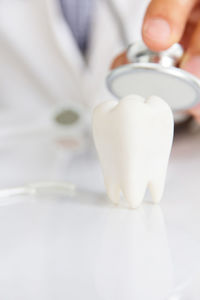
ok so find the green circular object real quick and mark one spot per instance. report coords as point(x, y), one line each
point(67, 117)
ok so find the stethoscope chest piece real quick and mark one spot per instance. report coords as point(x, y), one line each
point(156, 73)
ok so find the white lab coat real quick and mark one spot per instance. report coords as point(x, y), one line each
point(41, 65)
point(42, 69)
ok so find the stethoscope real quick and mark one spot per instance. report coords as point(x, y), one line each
point(153, 73)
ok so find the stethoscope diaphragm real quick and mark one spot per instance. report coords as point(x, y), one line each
point(155, 73)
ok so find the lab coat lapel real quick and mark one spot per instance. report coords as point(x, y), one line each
point(63, 36)
point(105, 43)
point(90, 74)
point(67, 46)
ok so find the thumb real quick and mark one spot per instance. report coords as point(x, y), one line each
point(164, 22)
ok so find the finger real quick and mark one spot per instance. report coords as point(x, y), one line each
point(190, 26)
point(164, 22)
point(191, 63)
point(185, 40)
point(195, 112)
point(119, 60)
point(191, 59)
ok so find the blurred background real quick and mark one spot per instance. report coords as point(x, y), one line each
point(54, 57)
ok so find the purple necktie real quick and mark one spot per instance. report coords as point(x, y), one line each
point(78, 14)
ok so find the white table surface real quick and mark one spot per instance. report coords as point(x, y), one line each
point(81, 247)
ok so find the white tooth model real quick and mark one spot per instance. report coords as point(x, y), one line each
point(133, 140)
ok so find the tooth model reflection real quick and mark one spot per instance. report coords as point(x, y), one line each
point(133, 140)
point(133, 260)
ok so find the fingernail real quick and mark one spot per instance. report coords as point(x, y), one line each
point(157, 29)
point(192, 65)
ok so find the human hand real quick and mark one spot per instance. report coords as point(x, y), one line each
point(170, 21)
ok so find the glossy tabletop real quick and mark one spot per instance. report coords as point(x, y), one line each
point(79, 246)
